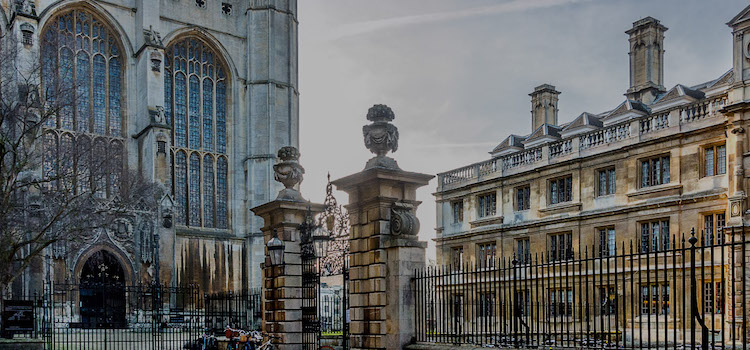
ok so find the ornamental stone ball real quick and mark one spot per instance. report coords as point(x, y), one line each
point(381, 137)
point(289, 172)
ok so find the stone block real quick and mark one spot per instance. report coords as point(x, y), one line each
point(376, 270)
point(376, 299)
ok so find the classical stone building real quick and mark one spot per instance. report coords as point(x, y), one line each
point(662, 162)
point(197, 95)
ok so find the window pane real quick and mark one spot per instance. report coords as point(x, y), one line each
point(708, 229)
point(100, 122)
point(82, 92)
point(180, 109)
point(208, 115)
point(180, 189)
point(209, 199)
point(194, 199)
point(665, 170)
point(194, 138)
point(645, 238)
point(222, 212)
point(115, 98)
point(602, 183)
point(721, 159)
point(709, 161)
point(611, 241)
point(221, 133)
point(645, 173)
point(611, 181)
point(553, 192)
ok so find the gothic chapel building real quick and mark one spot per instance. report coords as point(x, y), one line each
point(197, 95)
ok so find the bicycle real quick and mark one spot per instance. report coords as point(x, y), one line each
point(248, 340)
point(205, 342)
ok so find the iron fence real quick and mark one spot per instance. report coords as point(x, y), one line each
point(652, 293)
point(331, 314)
point(241, 309)
point(113, 316)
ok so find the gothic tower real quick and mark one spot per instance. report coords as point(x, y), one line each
point(200, 95)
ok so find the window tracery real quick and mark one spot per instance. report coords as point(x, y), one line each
point(81, 82)
point(195, 87)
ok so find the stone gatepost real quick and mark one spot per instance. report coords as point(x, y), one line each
point(282, 283)
point(384, 249)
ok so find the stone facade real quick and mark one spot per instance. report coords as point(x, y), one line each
point(596, 173)
point(249, 52)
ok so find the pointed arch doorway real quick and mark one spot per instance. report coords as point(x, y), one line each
point(102, 292)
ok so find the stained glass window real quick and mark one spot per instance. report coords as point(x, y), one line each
point(82, 75)
point(196, 108)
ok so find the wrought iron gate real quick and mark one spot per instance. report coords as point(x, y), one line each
point(310, 294)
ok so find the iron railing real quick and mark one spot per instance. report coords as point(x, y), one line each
point(332, 314)
point(113, 316)
point(659, 293)
point(242, 309)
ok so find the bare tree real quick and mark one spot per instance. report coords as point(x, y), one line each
point(53, 188)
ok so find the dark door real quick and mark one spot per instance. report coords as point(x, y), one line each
point(102, 292)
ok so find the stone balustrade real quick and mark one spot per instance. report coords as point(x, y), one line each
point(602, 140)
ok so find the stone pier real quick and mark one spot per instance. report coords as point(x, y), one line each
point(384, 249)
point(282, 283)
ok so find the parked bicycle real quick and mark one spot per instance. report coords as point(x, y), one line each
point(207, 341)
point(247, 340)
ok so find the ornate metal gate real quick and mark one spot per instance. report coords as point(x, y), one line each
point(334, 271)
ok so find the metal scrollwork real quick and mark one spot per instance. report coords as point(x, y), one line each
point(403, 221)
point(336, 220)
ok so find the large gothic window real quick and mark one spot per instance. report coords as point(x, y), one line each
point(195, 94)
point(82, 85)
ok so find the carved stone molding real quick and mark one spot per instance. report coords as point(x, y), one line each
point(403, 221)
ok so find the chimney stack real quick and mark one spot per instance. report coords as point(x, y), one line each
point(543, 106)
point(646, 60)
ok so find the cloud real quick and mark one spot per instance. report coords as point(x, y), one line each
point(366, 27)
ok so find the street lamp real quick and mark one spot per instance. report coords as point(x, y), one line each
point(275, 250)
point(320, 238)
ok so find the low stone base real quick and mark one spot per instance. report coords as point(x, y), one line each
point(431, 346)
point(21, 344)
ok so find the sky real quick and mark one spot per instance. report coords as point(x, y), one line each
point(457, 73)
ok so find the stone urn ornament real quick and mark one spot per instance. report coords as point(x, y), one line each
point(381, 137)
point(289, 172)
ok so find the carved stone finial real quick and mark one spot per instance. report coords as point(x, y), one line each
point(289, 172)
point(381, 137)
point(152, 37)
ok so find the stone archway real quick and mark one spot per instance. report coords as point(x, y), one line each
point(102, 291)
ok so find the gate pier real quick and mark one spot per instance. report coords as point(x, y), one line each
point(283, 293)
point(384, 248)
